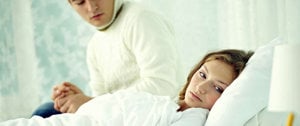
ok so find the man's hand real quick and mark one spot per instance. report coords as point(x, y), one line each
point(68, 98)
point(70, 103)
point(64, 89)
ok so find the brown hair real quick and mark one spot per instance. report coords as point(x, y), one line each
point(236, 58)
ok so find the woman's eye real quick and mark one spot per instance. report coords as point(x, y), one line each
point(219, 90)
point(202, 75)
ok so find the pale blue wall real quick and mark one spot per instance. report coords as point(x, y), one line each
point(60, 39)
point(8, 78)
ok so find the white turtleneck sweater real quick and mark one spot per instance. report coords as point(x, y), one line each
point(137, 52)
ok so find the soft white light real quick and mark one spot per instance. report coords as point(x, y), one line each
point(285, 81)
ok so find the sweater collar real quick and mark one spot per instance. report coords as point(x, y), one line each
point(117, 8)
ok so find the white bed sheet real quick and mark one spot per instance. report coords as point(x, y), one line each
point(122, 109)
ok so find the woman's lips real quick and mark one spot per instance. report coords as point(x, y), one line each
point(195, 96)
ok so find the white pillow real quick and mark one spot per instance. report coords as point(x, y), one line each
point(248, 94)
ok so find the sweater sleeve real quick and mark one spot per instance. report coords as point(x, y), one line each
point(95, 75)
point(152, 41)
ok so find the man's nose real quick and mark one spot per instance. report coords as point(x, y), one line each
point(91, 5)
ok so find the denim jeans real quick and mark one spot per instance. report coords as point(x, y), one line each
point(45, 110)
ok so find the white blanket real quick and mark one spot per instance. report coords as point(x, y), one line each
point(122, 108)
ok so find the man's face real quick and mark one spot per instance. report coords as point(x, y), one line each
point(97, 12)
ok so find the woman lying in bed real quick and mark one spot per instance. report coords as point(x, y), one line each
point(205, 83)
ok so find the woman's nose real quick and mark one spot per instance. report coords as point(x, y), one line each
point(203, 87)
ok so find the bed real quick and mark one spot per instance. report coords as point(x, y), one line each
point(243, 103)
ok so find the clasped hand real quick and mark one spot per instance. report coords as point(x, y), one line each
point(68, 98)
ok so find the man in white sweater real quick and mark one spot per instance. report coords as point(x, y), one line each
point(135, 49)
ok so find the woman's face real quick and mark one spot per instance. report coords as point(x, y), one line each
point(96, 12)
point(208, 83)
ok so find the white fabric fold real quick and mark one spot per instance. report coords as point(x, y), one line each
point(123, 108)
